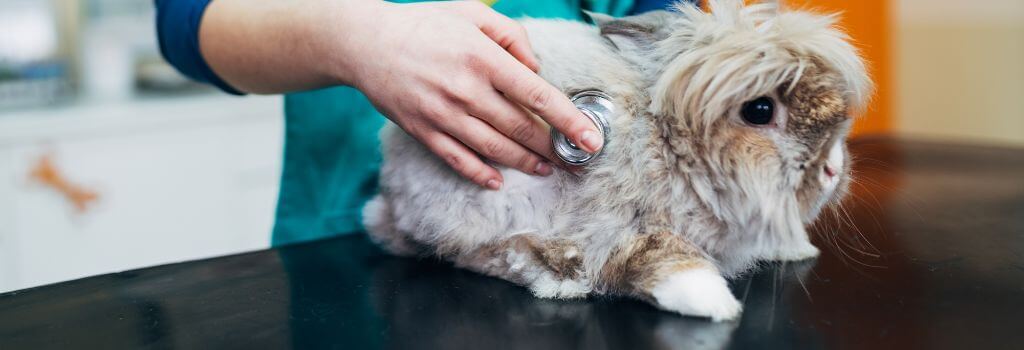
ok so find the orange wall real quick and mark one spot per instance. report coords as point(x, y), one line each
point(869, 22)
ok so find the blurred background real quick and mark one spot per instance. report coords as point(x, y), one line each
point(110, 160)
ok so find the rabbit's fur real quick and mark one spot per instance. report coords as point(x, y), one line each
point(684, 193)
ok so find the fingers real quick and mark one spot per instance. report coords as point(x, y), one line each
point(525, 87)
point(492, 145)
point(514, 122)
point(463, 160)
point(531, 91)
point(504, 31)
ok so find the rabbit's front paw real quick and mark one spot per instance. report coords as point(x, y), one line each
point(546, 286)
point(799, 252)
point(697, 292)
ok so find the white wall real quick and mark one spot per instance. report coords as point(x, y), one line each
point(959, 69)
point(177, 179)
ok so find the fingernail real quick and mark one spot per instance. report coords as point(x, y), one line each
point(590, 140)
point(494, 184)
point(542, 169)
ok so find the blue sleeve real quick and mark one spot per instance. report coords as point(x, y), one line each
point(641, 6)
point(177, 28)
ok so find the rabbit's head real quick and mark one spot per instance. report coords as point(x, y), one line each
point(753, 104)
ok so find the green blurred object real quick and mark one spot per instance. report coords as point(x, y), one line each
point(332, 155)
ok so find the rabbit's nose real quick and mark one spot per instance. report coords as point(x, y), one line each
point(829, 171)
point(834, 161)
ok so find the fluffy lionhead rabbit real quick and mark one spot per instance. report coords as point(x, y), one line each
point(727, 140)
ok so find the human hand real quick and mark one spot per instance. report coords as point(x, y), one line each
point(457, 76)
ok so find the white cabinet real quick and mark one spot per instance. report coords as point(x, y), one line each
point(176, 180)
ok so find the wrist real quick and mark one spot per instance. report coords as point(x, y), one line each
point(346, 35)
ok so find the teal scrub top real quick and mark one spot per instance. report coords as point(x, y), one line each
point(332, 151)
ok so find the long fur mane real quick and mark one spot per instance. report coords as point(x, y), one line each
point(734, 53)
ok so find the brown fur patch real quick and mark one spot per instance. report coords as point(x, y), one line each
point(635, 268)
point(492, 259)
point(817, 110)
point(561, 256)
point(816, 105)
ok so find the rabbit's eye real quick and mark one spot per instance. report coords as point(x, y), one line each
point(759, 111)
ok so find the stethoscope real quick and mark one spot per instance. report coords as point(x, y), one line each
point(597, 106)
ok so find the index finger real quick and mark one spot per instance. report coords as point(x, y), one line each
point(504, 31)
point(531, 91)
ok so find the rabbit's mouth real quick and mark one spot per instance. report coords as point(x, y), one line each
point(829, 176)
point(834, 164)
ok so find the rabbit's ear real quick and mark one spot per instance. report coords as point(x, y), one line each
point(634, 33)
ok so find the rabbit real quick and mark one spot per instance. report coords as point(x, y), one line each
point(727, 140)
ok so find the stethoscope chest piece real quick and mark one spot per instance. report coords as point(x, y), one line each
point(597, 106)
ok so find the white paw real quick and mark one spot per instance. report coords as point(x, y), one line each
point(802, 251)
point(697, 292)
point(546, 286)
point(573, 289)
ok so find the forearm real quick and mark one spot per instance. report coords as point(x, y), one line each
point(273, 46)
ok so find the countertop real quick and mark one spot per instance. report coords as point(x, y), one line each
point(99, 118)
point(927, 253)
